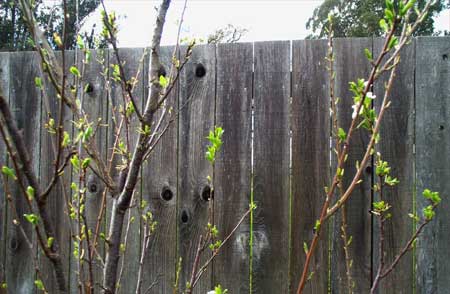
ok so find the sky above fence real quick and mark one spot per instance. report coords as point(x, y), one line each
point(264, 19)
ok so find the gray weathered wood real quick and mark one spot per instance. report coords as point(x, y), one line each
point(132, 64)
point(57, 208)
point(271, 167)
point(310, 159)
point(4, 86)
point(350, 65)
point(159, 186)
point(232, 174)
point(396, 147)
point(197, 103)
point(25, 105)
point(433, 159)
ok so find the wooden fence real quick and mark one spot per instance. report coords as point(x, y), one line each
point(272, 99)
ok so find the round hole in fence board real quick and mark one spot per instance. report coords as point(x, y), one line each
point(184, 216)
point(441, 127)
point(92, 187)
point(14, 244)
point(162, 71)
point(369, 169)
point(200, 70)
point(445, 57)
point(206, 193)
point(166, 194)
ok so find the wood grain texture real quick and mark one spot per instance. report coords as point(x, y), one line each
point(396, 147)
point(271, 167)
point(350, 65)
point(432, 160)
point(4, 86)
point(232, 174)
point(57, 206)
point(132, 63)
point(310, 159)
point(197, 103)
point(95, 105)
point(25, 104)
point(160, 191)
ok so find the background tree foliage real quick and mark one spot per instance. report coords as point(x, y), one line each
point(14, 34)
point(359, 18)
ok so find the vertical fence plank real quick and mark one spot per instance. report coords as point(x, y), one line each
point(350, 65)
point(57, 208)
point(25, 104)
point(310, 159)
point(396, 147)
point(233, 165)
point(433, 159)
point(271, 167)
point(131, 61)
point(160, 191)
point(4, 86)
point(197, 103)
point(95, 105)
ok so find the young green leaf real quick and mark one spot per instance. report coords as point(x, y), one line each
point(30, 193)
point(9, 172)
point(38, 82)
point(31, 218)
point(74, 70)
point(39, 284)
point(50, 241)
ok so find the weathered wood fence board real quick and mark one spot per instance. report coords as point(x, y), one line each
point(197, 104)
point(310, 158)
point(272, 99)
point(432, 159)
point(25, 104)
point(271, 172)
point(396, 147)
point(161, 192)
point(233, 164)
point(351, 64)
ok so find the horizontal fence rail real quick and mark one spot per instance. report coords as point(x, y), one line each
point(272, 99)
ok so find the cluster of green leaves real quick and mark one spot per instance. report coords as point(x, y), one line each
point(215, 140)
point(85, 130)
point(110, 26)
point(214, 233)
point(434, 200)
point(363, 101)
point(219, 290)
point(80, 164)
point(147, 216)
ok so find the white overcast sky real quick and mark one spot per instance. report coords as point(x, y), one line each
point(264, 19)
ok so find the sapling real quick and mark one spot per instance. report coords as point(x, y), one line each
point(396, 18)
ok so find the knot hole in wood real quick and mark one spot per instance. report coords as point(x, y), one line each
point(166, 194)
point(200, 70)
point(207, 194)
